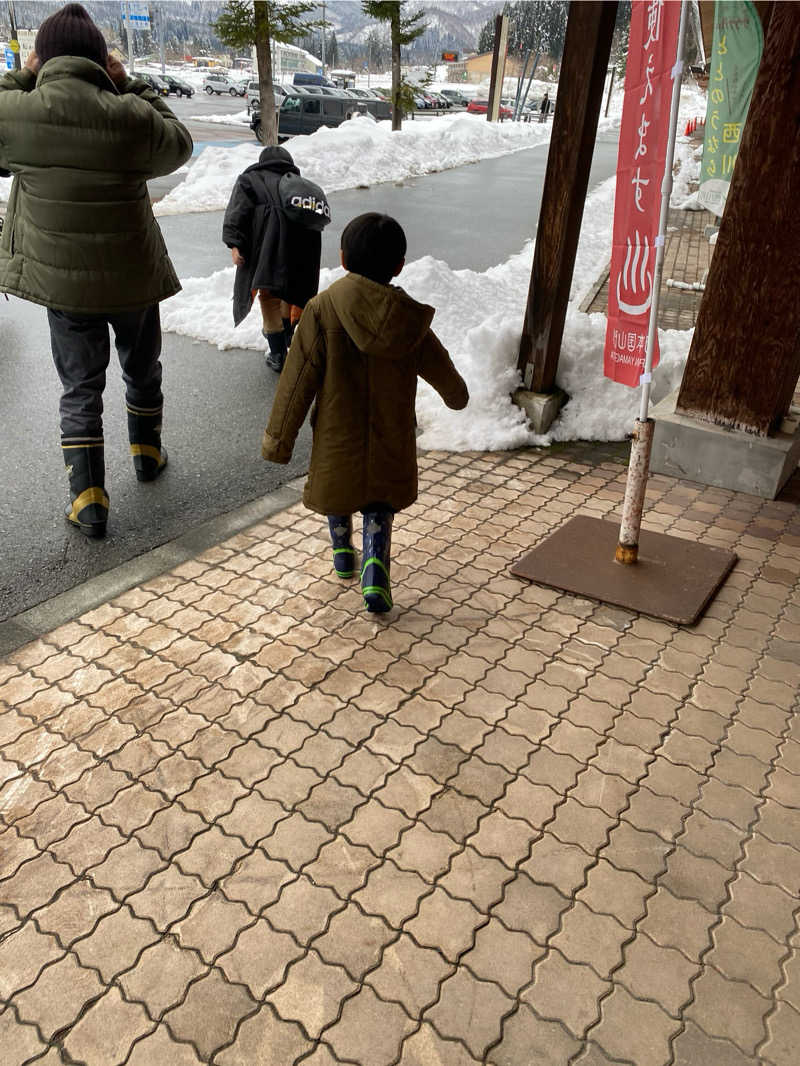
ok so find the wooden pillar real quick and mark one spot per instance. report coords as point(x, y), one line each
point(498, 67)
point(744, 361)
point(587, 48)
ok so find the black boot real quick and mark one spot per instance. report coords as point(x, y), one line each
point(344, 555)
point(85, 463)
point(144, 434)
point(276, 356)
point(288, 331)
point(375, 584)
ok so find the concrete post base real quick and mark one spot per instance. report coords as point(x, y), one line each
point(725, 458)
point(541, 407)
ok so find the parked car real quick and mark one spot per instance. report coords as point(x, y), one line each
point(306, 112)
point(175, 85)
point(156, 83)
point(253, 94)
point(480, 107)
point(439, 99)
point(456, 98)
point(217, 82)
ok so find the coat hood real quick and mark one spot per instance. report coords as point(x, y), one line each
point(75, 67)
point(276, 160)
point(380, 320)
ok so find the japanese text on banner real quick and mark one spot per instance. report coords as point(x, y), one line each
point(643, 141)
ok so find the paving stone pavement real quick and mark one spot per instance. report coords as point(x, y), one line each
point(245, 824)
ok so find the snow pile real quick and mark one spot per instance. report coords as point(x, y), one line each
point(237, 118)
point(357, 154)
point(479, 319)
point(5, 188)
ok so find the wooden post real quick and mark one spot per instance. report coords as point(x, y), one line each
point(744, 361)
point(587, 48)
point(498, 67)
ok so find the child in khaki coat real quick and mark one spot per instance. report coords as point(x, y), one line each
point(358, 351)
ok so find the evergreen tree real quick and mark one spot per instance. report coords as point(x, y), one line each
point(243, 24)
point(404, 29)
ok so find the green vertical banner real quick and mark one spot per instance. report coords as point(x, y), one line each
point(735, 56)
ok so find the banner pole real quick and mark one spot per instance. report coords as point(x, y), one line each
point(627, 551)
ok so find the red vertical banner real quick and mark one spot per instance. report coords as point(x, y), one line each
point(643, 138)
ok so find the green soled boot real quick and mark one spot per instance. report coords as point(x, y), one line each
point(375, 582)
point(344, 555)
point(85, 463)
point(144, 434)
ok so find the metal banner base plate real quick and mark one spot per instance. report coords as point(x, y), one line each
point(674, 579)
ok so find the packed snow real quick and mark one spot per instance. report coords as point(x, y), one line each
point(357, 154)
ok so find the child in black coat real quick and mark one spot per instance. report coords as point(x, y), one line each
point(276, 249)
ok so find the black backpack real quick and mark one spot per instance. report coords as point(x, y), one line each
point(303, 202)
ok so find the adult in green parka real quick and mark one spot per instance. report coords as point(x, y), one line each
point(81, 139)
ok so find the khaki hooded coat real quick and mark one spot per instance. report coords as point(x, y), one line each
point(356, 355)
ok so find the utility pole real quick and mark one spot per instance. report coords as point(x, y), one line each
point(14, 39)
point(161, 36)
point(129, 34)
point(323, 38)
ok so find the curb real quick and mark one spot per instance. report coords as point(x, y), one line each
point(66, 606)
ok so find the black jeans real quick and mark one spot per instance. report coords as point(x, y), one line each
point(82, 350)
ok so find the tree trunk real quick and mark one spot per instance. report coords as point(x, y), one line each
point(269, 127)
point(744, 361)
point(587, 47)
point(397, 112)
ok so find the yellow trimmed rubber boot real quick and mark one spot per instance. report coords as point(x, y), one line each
point(85, 463)
point(144, 434)
point(375, 583)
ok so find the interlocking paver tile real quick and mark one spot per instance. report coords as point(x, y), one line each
point(446, 923)
point(784, 1036)
point(303, 909)
point(354, 940)
point(681, 923)
point(259, 958)
point(126, 868)
point(426, 1046)
point(161, 975)
point(211, 855)
point(693, 1046)
point(746, 955)
point(620, 893)
point(502, 956)
point(507, 745)
point(594, 939)
point(252, 818)
point(35, 883)
point(657, 973)
point(20, 1042)
point(555, 863)
point(115, 943)
point(470, 1010)
point(59, 996)
point(528, 1038)
point(23, 954)
point(376, 826)
point(75, 911)
point(105, 1033)
point(531, 908)
point(132, 808)
point(296, 841)
point(566, 992)
point(729, 1009)
point(775, 864)
point(210, 1013)
point(409, 974)
point(656, 814)
point(212, 925)
point(423, 851)
point(312, 993)
point(634, 1030)
point(265, 1038)
point(159, 1047)
point(728, 802)
point(369, 1029)
point(638, 851)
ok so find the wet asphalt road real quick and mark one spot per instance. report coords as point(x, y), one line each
point(216, 403)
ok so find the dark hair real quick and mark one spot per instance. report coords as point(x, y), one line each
point(373, 245)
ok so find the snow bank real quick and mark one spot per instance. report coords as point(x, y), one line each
point(5, 188)
point(479, 319)
point(236, 118)
point(359, 153)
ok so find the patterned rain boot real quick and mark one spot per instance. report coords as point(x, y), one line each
point(375, 584)
point(344, 554)
point(85, 463)
point(144, 434)
point(276, 356)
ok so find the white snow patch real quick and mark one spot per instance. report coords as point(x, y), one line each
point(356, 154)
point(479, 319)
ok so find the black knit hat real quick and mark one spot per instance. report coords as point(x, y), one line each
point(71, 32)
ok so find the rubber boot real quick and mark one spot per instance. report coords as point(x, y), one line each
point(276, 356)
point(288, 331)
point(85, 463)
point(375, 584)
point(344, 555)
point(144, 434)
